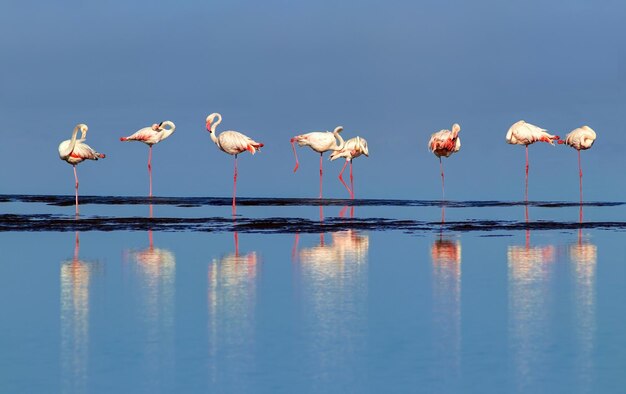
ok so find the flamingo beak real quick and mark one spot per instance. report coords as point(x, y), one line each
point(208, 126)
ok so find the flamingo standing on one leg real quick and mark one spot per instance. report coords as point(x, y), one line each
point(352, 148)
point(522, 133)
point(76, 151)
point(231, 142)
point(320, 142)
point(150, 136)
point(581, 138)
point(444, 143)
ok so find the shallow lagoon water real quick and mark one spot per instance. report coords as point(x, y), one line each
point(343, 305)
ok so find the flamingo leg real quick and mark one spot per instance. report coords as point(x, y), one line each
point(526, 192)
point(580, 173)
point(235, 186)
point(236, 244)
point(341, 178)
point(293, 146)
point(76, 180)
point(351, 182)
point(321, 157)
point(443, 189)
point(150, 168)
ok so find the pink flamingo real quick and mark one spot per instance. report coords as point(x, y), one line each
point(444, 143)
point(76, 151)
point(320, 142)
point(352, 148)
point(581, 138)
point(231, 142)
point(150, 136)
point(522, 133)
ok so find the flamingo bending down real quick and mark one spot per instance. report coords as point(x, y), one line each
point(522, 133)
point(150, 136)
point(320, 142)
point(231, 142)
point(581, 138)
point(352, 148)
point(76, 151)
point(444, 143)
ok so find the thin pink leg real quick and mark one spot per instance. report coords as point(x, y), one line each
point(443, 189)
point(351, 182)
point(580, 173)
point(343, 211)
point(236, 244)
point(341, 178)
point(293, 146)
point(76, 179)
point(150, 168)
point(321, 157)
point(526, 192)
point(235, 186)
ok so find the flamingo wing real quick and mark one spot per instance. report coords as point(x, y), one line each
point(234, 142)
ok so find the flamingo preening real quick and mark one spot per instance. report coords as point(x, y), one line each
point(522, 133)
point(76, 151)
point(150, 136)
point(581, 138)
point(320, 142)
point(444, 143)
point(231, 142)
point(352, 148)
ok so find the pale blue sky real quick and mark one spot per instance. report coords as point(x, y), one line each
point(392, 72)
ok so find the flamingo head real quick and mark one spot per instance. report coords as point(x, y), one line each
point(362, 142)
point(209, 120)
point(157, 127)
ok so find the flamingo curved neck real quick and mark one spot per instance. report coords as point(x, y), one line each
point(167, 131)
point(214, 127)
point(341, 141)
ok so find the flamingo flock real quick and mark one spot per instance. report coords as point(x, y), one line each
point(443, 143)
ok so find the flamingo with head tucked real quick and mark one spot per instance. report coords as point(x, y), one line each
point(444, 143)
point(352, 148)
point(231, 142)
point(581, 138)
point(522, 133)
point(320, 142)
point(150, 136)
point(76, 151)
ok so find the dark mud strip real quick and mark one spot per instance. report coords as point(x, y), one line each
point(277, 225)
point(63, 201)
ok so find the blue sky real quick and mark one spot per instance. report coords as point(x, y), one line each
point(392, 72)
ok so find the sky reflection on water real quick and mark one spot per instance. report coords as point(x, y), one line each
point(146, 311)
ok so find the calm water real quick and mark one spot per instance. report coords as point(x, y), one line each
point(386, 301)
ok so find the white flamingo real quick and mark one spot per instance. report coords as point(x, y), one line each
point(444, 143)
point(352, 148)
point(76, 151)
point(522, 133)
point(581, 138)
point(150, 136)
point(320, 142)
point(231, 142)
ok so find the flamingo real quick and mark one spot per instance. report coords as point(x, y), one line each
point(444, 143)
point(150, 136)
point(581, 138)
point(231, 142)
point(76, 151)
point(522, 133)
point(320, 142)
point(352, 148)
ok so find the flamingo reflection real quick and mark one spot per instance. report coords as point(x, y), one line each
point(445, 254)
point(332, 281)
point(155, 271)
point(75, 280)
point(529, 269)
point(231, 308)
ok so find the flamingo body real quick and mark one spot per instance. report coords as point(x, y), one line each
point(581, 138)
point(152, 135)
point(522, 133)
point(445, 142)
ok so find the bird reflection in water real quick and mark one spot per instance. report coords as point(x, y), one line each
point(445, 254)
point(155, 272)
point(231, 308)
point(75, 280)
point(584, 257)
point(332, 284)
point(529, 269)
